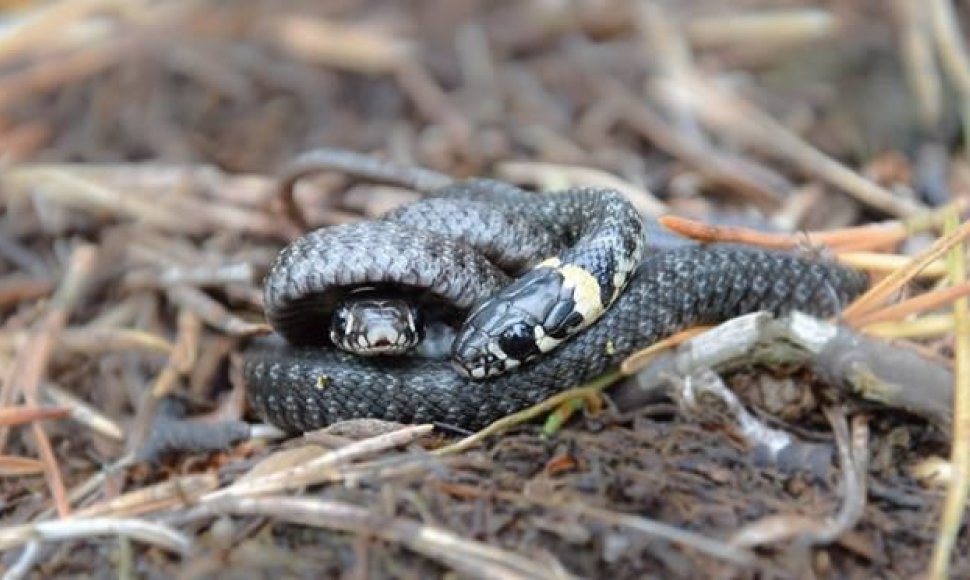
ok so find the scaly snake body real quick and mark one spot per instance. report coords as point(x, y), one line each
point(301, 386)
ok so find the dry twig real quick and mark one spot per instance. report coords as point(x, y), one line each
point(959, 487)
point(28, 374)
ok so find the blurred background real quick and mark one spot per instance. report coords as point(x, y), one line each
point(670, 96)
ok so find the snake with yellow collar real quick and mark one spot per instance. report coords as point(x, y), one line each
point(536, 293)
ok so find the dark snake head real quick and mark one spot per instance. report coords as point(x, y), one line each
point(375, 326)
point(527, 318)
point(504, 343)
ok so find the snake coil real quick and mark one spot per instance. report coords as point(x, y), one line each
point(299, 386)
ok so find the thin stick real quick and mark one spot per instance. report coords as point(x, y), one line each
point(922, 327)
point(213, 312)
point(19, 415)
point(949, 44)
point(84, 413)
point(921, 303)
point(916, 50)
point(768, 28)
point(76, 190)
point(16, 288)
point(363, 50)
point(959, 488)
point(33, 357)
point(740, 175)
point(731, 115)
point(593, 388)
point(353, 164)
point(878, 293)
point(854, 461)
point(183, 491)
point(470, 557)
point(888, 263)
point(639, 359)
point(47, 21)
point(144, 531)
point(879, 234)
point(59, 71)
point(310, 472)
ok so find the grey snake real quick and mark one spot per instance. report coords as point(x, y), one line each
point(304, 382)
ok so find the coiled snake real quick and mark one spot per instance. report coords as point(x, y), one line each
point(591, 301)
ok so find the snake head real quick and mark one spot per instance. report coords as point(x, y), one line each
point(529, 317)
point(368, 326)
point(492, 350)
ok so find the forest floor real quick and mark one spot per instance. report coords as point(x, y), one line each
point(141, 145)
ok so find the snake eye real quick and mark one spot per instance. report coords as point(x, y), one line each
point(518, 342)
point(339, 325)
